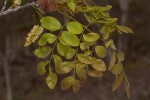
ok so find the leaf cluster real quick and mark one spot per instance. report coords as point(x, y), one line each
point(72, 50)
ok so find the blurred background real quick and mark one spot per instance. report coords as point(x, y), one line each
point(18, 75)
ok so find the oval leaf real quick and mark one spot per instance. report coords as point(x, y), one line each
point(42, 52)
point(121, 56)
point(124, 29)
point(76, 86)
point(57, 60)
point(101, 51)
point(81, 73)
point(85, 59)
point(67, 83)
point(74, 27)
point(71, 4)
point(62, 49)
point(91, 37)
point(47, 37)
point(94, 73)
point(117, 69)
point(64, 67)
point(41, 67)
point(112, 61)
point(99, 65)
point(70, 38)
point(50, 23)
point(118, 82)
point(51, 80)
point(70, 53)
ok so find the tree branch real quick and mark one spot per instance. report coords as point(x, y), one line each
point(10, 10)
point(3, 8)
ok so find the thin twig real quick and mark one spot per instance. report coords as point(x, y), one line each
point(3, 8)
point(10, 10)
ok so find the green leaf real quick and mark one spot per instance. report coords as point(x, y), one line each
point(81, 73)
point(88, 52)
point(90, 19)
point(47, 37)
point(108, 28)
point(80, 65)
point(76, 86)
point(65, 51)
point(117, 69)
point(57, 60)
point(99, 65)
point(91, 37)
point(62, 49)
point(42, 52)
point(118, 81)
point(106, 8)
point(70, 53)
point(41, 67)
point(67, 82)
point(106, 36)
point(85, 59)
point(101, 51)
point(124, 29)
point(74, 27)
point(62, 41)
point(121, 56)
point(51, 80)
point(85, 46)
point(111, 44)
point(112, 61)
point(70, 38)
point(64, 67)
point(50, 23)
point(94, 73)
point(71, 4)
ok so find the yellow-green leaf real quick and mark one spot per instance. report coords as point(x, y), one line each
point(47, 37)
point(108, 28)
point(112, 61)
point(41, 67)
point(101, 51)
point(85, 59)
point(94, 73)
point(106, 8)
point(61, 49)
point(70, 38)
point(64, 67)
point(76, 86)
point(57, 60)
point(71, 4)
point(121, 56)
point(99, 65)
point(51, 80)
point(81, 73)
point(118, 81)
point(91, 37)
point(62, 41)
point(85, 46)
point(70, 53)
point(117, 69)
point(124, 29)
point(67, 82)
point(111, 44)
point(74, 27)
point(50, 23)
point(42, 52)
